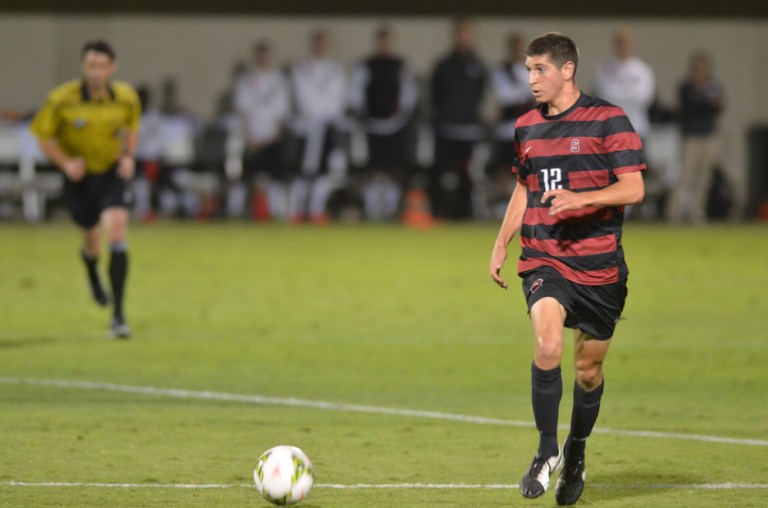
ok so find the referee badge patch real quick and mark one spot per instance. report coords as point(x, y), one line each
point(536, 285)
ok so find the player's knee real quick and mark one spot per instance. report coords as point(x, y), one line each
point(589, 375)
point(549, 351)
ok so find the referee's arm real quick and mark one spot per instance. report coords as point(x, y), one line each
point(126, 165)
point(72, 167)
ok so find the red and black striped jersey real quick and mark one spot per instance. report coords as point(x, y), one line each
point(581, 149)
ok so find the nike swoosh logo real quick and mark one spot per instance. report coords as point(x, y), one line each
point(527, 150)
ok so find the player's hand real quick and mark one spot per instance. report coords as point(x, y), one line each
point(563, 200)
point(126, 167)
point(74, 169)
point(498, 256)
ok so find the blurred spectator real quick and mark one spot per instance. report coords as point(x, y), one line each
point(383, 95)
point(701, 101)
point(628, 82)
point(513, 96)
point(226, 116)
point(457, 88)
point(319, 88)
point(179, 192)
point(261, 100)
point(149, 153)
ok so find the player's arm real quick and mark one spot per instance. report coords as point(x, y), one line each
point(513, 218)
point(628, 190)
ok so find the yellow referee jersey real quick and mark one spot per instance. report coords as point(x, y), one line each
point(89, 128)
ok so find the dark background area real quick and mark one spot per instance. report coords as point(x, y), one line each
point(594, 8)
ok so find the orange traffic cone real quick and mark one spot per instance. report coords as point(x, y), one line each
point(416, 213)
point(260, 206)
point(762, 212)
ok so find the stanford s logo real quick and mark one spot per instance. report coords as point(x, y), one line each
point(575, 145)
point(536, 285)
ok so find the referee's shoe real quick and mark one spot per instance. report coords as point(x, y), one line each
point(119, 329)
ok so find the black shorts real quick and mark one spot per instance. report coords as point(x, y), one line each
point(95, 193)
point(386, 152)
point(592, 309)
point(268, 161)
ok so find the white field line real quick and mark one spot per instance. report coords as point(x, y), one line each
point(317, 404)
point(386, 486)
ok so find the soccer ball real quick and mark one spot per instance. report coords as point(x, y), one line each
point(284, 475)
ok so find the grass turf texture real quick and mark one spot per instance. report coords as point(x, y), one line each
point(377, 316)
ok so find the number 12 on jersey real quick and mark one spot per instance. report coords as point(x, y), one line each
point(552, 178)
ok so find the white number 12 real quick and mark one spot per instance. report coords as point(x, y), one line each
point(552, 179)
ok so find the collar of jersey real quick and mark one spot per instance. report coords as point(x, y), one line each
point(85, 95)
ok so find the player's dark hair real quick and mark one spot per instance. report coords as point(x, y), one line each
point(100, 46)
point(558, 47)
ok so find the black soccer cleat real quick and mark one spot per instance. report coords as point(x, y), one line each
point(536, 480)
point(119, 329)
point(570, 484)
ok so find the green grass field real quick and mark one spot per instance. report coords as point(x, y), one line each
point(374, 316)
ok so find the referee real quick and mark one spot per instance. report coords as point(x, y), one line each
point(89, 128)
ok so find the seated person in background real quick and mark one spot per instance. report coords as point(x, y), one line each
point(261, 100)
point(319, 87)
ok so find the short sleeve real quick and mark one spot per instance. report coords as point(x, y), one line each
point(134, 111)
point(519, 166)
point(45, 124)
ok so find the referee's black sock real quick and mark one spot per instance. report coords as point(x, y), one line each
point(546, 391)
point(97, 288)
point(118, 270)
point(586, 406)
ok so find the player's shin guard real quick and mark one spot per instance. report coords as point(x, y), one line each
point(586, 406)
point(118, 270)
point(546, 391)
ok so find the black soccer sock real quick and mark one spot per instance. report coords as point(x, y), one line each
point(546, 391)
point(91, 266)
point(586, 406)
point(118, 270)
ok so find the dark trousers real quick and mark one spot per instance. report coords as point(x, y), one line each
point(450, 188)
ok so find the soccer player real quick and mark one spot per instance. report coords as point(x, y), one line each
point(383, 93)
point(262, 102)
point(319, 86)
point(579, 161)
point(628, 82)
point(457, 88)
point(89, 127)
point(509, 81)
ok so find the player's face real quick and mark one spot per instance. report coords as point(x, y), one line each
point(98, 69)
point(545, 78)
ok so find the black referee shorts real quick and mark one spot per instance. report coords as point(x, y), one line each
point(95, 193)
point(592, 309)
